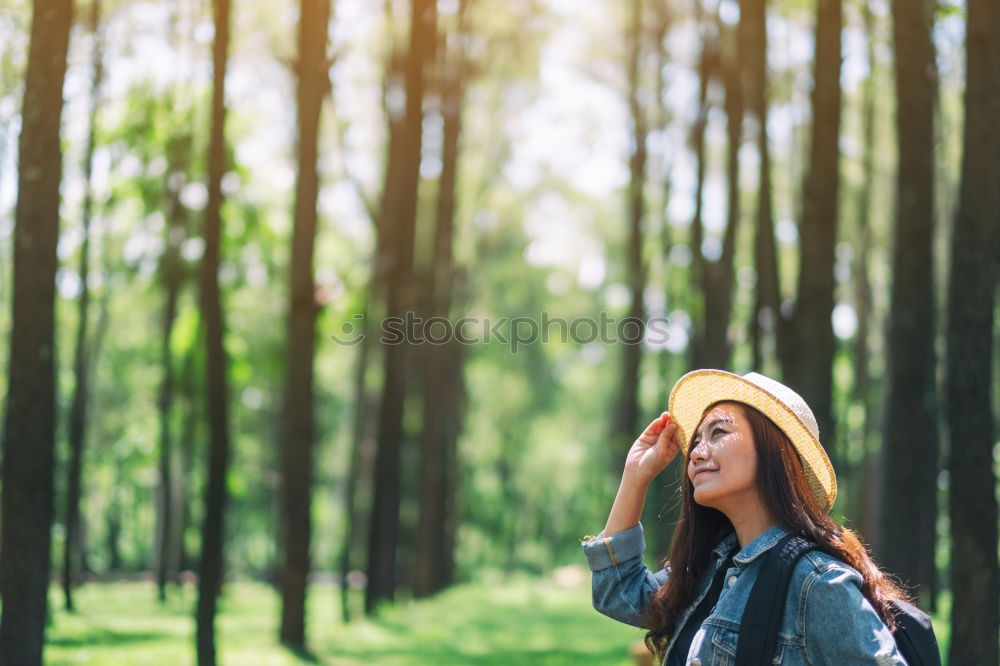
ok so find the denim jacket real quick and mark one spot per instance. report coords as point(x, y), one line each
point(826, 621)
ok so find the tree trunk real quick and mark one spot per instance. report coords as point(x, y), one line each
point(172, 270)
point(862, 288)
point(456, 398)
point(809, 368)
point(706, 69)
point(632, 334)
point(113, 529)
point(216, 380)
point(29, 425)
point(714, 278)
point(361, 444)
point(366, 409)
point(910, 427)
point(298, 435)
point(169, 505)
point(435, 483)
point(112, 516)
point(436, 479)
point(766, 314)
point(72, 550)
point(182, 480)
point(718, 275)
point(661, 495)
point(397, 223)
point(975, 251)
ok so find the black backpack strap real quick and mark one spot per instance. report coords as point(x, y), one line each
point(915, 635)
point(762, 614)
point(715, 591)
point(702, 610)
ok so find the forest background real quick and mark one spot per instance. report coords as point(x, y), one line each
point(236, 242)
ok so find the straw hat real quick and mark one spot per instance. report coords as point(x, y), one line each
point(698, 389)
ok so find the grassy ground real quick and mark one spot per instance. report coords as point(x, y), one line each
point(518, 623)
point(524, 622)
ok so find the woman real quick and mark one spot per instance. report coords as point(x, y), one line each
point(755, 471)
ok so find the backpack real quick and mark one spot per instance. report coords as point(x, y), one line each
point(759, 625)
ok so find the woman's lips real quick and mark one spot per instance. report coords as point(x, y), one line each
point(704, 471)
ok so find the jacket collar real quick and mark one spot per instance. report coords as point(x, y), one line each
point(727, 545)
point(760, 545)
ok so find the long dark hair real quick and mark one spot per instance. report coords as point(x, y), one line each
point(785, 493)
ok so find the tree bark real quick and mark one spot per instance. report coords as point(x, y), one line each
point(718, 275)
point(72, 550)
point(216, 380)
point(807, 361)
point(29, 425)
point(627, 412)
point(182, 481)
point(113, 530)
point(972, 287)
point(361, 446)
point(766, 314)
point(865, 506)
point(908, 517)
point(172, 270)
point(661, 494)
point(456, 397)
point(437, 481)
point(361, 464)
point(398, 222)
point(706, 70)
point(298, 433)
point(714, 278)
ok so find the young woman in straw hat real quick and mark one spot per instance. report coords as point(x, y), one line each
point(755, 471)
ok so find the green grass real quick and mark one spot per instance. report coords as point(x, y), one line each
point(515, 623)
point(519, 622)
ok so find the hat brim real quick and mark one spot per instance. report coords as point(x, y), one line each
point(698, 389)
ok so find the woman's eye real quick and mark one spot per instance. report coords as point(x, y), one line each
point(718, 430)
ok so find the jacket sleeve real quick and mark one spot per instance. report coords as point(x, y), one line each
point(622, 584)
point(841, 625)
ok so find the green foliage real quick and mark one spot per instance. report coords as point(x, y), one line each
point(946, 8)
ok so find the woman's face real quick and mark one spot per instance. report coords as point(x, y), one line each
point(722, 459)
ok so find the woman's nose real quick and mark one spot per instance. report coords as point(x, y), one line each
point(697, 453)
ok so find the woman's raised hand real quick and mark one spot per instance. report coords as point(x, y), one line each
point(653, 450)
